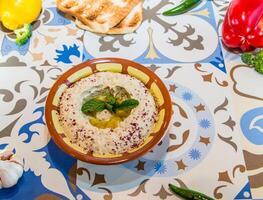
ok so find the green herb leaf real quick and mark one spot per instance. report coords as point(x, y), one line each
point(128, 104)
point(110, 99)
point(109, 107)
point(93, 105)
point(114, 101)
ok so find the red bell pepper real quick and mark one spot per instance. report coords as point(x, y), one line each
point(243, 25)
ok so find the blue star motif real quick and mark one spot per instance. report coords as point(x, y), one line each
point(195, 154)
point(187, 96)
point(205, 123)
point(160, 168)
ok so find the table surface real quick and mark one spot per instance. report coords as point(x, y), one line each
point(215, 141)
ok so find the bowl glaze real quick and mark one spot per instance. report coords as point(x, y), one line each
point(151, 81)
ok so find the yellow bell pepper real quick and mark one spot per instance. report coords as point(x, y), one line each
point(15, 13)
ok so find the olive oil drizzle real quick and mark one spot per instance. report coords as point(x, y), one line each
point(116, 100)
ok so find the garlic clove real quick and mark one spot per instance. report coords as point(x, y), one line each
point(16, 169)
point(17, 159)
point(11, 169)
point(8, 177)
point(6, 155)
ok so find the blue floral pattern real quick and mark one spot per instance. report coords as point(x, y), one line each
point(64, 55)
point(205, 123)
point(195, 154)
point(187, 96)
point(63, 44)
point(160, 168)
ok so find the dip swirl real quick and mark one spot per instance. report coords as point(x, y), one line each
point(129, 132)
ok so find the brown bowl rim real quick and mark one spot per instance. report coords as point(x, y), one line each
point(126, 156)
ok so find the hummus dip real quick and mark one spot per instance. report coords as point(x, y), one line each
point(130, 132)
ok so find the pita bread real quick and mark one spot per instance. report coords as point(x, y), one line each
point(98, 15)
point(128, 25)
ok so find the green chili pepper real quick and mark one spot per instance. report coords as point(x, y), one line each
point(188, 194)
point(183, 7)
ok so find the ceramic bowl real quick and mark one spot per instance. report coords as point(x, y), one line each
point(151, 81)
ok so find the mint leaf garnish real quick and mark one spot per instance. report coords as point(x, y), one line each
point(109, 107)
point(105, 99)
point(128, 104)
point(110, 99)
point(93, 105)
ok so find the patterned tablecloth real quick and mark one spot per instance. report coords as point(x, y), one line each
point(215, 143)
